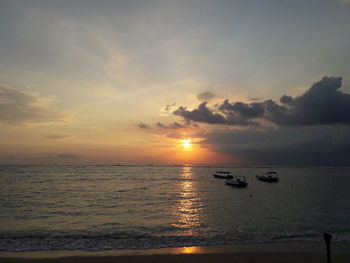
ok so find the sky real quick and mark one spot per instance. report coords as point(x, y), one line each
point(175, 82)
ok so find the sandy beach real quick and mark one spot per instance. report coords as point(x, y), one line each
point(290, 252)
point(229, 257)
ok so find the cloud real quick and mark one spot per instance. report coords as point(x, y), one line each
point(205, 115)
point(38, 158)
point(345, 2)
point(312, 128)
point(174, 125)
point(56, 136)
point(66, 156)
point(286, 99)
point(142, 125)
point(322, 104)
point(201, 114)
point(18, 107)
point(253, 99)
point(240, 113)
point(169, 106)
point(205, 96)
point(176, 135)
point(316, 145)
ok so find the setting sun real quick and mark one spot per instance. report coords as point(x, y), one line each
point(187, 143)
point(157, 128)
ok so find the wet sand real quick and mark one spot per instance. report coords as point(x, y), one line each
point(246, 257)
point(290, 252)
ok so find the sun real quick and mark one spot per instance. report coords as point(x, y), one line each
point(187, 143)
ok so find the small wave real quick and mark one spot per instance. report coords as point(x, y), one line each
point(134, 240)
point(87, 242)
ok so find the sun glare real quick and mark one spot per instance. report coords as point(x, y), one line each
point(187, 143)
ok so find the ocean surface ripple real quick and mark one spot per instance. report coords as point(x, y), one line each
point(94, 208)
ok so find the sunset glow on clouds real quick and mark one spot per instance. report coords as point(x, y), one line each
point(128, 81)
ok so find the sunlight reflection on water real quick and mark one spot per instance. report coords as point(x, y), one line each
point(190, 250)
point(189, 205)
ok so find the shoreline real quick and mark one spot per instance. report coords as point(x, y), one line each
point(252, 257)
point(284, 252)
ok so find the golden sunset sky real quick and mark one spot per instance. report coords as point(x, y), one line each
point(119, 82)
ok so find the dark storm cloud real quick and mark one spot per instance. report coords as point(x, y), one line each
point(26, 107)
point(286, 99)
point(205, 115)
point(205, 96)
point(322, 104)
point(316, 145)
point(142, 125)
point(242, 110)
point(309, 129)
point(201, 114)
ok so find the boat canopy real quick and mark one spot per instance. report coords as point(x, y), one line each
point(239, 177)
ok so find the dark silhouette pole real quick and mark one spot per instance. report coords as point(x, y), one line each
point(328, 237)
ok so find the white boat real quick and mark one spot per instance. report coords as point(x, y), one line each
point(222, 175)
point(270, 177)
point(237, 181)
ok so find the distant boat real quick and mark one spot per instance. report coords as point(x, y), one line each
point(270, 177)
point(222, 175)
point(237, 181)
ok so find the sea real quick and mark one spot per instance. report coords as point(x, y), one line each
point(117, 207)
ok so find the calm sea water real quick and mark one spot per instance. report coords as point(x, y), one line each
point(139, 207)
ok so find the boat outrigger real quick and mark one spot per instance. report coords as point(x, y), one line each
point(270, 177)
point(222, 175)
point(237, 181)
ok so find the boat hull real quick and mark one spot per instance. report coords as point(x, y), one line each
point(235, 183)
point(223, 176)
point(266, 179)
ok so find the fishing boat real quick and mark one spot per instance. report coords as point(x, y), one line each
point(270, 177)
point(237, 181)
point(222, 175)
